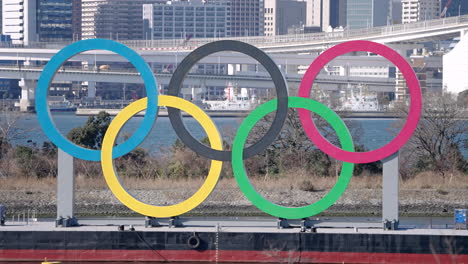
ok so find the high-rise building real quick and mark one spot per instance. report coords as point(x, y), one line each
point(185, 20)
point(283, 14)
point(54, 20)
point(419, 10)
point(326, 13)
point(29, 21)
point(1, 16)
point(367, 13)
point(314, 13)
point(245, 17)
point(113, 19)
point(76, 19)
point(19, 21)
point(396, 11)
point(454, 8)
point(336, 16)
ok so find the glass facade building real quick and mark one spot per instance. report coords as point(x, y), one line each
point(185, 20)
point(246, 17)
point(54, 20)
point(366, 13)
point(113, 19)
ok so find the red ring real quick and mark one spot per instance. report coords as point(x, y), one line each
point(414, 111)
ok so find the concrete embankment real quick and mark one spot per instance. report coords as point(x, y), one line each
point(163, 113)
point(231, 202)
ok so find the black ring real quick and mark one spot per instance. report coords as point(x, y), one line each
point(175, 86)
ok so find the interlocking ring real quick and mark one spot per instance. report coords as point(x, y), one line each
point(413, 116)
point(263, 204)
point(122, 194)
point(42, 108)
point(215, 152)
point(175, 85)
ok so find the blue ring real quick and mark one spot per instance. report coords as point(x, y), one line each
point(48, 74)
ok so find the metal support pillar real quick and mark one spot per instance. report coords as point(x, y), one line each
point(390, 183)
point(306, 223)
point(175, 222)
point(282, 223)
point(65, 191)
point(151, 222)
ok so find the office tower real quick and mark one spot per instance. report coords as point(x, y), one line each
point(28, 21)
point(113, 19)
point(396, 12)
point(367, 13)
point(283, 14)
point(246, 17)
point(454, 8)
point(184, 20)
point(76, 19)
point(54, 20)
point(19, 21)
point(419, 10)
point(1, 17)
point(326, 13)
point(337, 14)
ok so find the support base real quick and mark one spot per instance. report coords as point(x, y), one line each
point(151, 222)
point(66, 222)
point(175, 222)
point(282, 223)
point(390, 225)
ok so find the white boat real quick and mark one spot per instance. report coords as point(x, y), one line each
point(360, 102)
point(60, 104)
point(232, 102)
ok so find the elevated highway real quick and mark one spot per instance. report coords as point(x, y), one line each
point(260, 80)
point(429, 30)
point(289, 52)
point(160, 50)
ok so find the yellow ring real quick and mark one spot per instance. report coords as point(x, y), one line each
point(113, 181)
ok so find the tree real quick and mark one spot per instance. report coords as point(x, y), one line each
point(462, 99)
point(92, 133)
point(293, 150)
point(435, 145)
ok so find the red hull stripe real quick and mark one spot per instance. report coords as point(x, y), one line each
point(226, 256)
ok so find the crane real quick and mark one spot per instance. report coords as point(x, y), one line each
point(444, 12)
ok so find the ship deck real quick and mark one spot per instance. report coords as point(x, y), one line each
point(418, 226)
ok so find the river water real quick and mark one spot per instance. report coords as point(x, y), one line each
point(375, 132)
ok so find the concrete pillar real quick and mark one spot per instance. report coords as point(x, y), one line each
point(90, 66)
point(91, 89)
point(231, 69)
point(463, 34)
point(390, 192)
point(65, 190)
point(28, 88)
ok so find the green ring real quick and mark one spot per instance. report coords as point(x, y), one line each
point(291, 212)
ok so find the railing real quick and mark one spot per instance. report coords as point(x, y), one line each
point(271, 41)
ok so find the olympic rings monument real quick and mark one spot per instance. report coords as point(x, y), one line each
point(388, 154)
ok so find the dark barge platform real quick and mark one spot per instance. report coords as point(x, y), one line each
point(33, 243)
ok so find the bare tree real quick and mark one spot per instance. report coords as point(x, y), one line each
point(293, 149)
point(436, 143)
point(9, 129)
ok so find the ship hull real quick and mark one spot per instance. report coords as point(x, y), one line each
point(174, 246)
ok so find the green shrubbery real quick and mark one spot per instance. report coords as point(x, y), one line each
point(434, 147)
